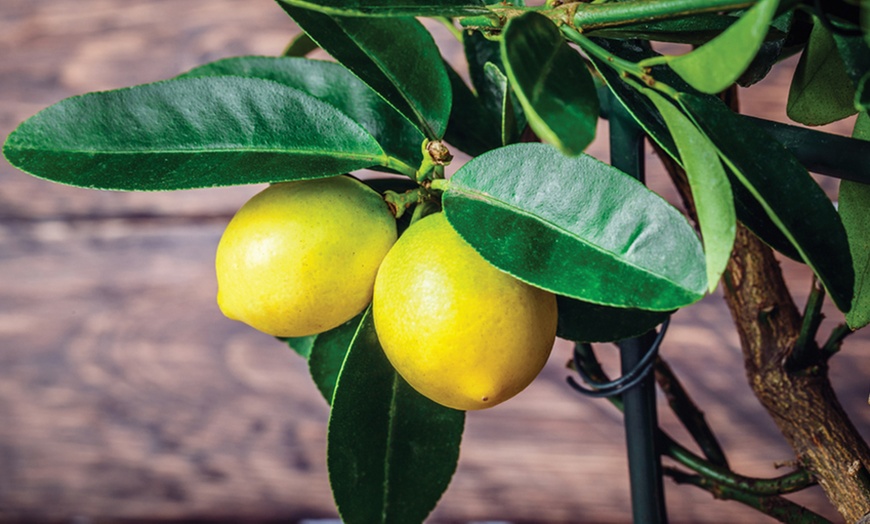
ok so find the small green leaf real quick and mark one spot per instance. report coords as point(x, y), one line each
point(551, 81)
point(855, 211)
point(719, 63)
point(328, 352)
point(396, 57)
point(391, 452)
point(584, 322)
point(821, 91)
point(389, 8)
point(784, 188)
point(301, 345)
point(189, 133)
point(577, 227)
point(330, 82)
point(711, 190)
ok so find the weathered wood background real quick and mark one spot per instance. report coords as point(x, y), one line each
point(124, 394)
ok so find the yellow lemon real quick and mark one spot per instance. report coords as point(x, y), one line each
point(460, 331)
point(300, 257)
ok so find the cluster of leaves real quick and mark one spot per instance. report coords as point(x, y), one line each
point(618, 256)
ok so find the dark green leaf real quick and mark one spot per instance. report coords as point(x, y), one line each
point(855, 211)
point(471, 127)
point(748, 210)
point(577, 227)
point(784, 188)
point(855, 53)
point(331, 83)
point(391, 452)
point(390, 8)
point(396, 57)
point(551, 81)
point(696, 30)
point(188, 133)
point(328, 352)
point(771, 50)
point(300, 46)
point(821, 92)
point(711, 190)
point(719, 63)
point(584, 322)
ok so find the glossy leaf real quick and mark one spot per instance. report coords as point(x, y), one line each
point(711, 190)
point(390, 8)
point(854, 208)
point(784, 188)
point(330, 82)
point(551, 81)
point(821, 91)
point(328, 352)
point(577, 227)
point(719, 63)
point(396, 57)
point(391, 452)
point(584, 322)
point(748, 210)
point(189, 133)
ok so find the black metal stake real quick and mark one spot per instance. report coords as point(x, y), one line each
point(644, 462)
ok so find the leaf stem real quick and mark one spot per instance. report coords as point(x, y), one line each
point(611, 14)
point(400, 167)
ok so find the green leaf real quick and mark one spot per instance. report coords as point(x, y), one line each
point(551, 81)
point(719, 63)
point(391, 8)
point(330, 82)
point(784, 188)
point(782, 32)
point(577, 227)
point(855, 53)
point(328, 352)
point(300, 46)
point(471, 128)
point(391, 452)
point(584, 322)
point(855, 211)
point(189, 133)
point(748, 210)
point(821, 91)
point(711, 190)
point(396, 57)
point(301, 345)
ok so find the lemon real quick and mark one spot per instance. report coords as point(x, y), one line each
point(457, 329)
point(300, 257)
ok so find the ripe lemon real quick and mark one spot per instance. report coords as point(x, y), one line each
point(300, 257)
point(460, 331)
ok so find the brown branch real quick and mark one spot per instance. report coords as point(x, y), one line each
point(803, 405)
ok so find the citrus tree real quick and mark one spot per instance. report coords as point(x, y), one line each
point(415, 298)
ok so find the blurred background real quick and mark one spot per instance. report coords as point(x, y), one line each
point(125, 395)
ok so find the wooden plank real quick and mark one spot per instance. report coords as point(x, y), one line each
point(124, 394)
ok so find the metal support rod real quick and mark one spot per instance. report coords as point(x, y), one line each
point(644, 461)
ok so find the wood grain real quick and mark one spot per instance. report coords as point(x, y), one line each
point(124, 394)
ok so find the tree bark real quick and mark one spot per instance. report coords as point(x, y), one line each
point(801, 402)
